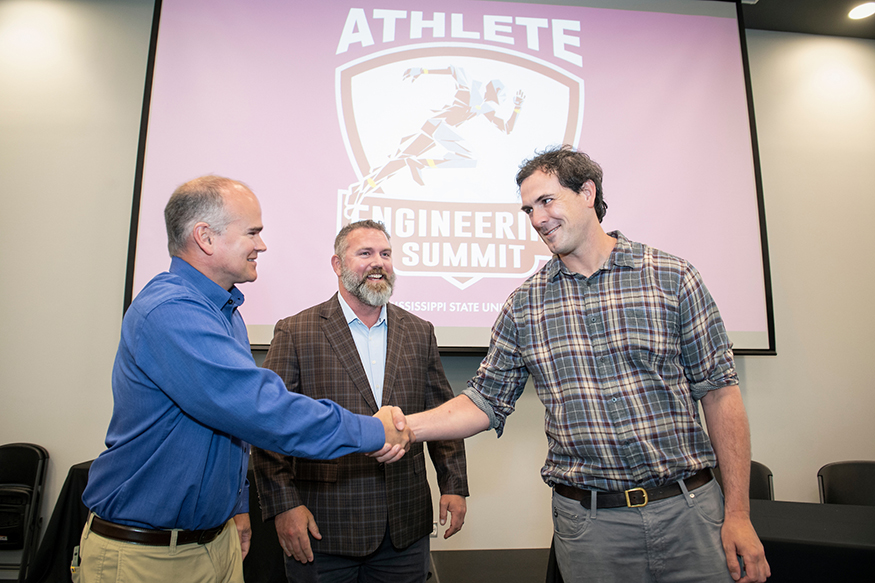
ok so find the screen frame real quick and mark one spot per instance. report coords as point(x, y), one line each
point(452, 348)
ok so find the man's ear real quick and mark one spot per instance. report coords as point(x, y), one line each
point(588, 192)
point(335, 264)
point(203, 235)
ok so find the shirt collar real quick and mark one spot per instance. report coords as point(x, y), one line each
point(623, 255)
point(213, 291)
point(350, 315)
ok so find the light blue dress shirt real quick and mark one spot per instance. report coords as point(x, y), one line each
point(371, 345)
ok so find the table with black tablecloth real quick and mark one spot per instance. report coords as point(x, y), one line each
point(816, 542)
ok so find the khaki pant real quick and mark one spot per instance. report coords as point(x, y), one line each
point(103, 560)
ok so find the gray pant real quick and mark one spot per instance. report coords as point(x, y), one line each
point(673, 540)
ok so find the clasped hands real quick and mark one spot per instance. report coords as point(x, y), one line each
point(399, 437)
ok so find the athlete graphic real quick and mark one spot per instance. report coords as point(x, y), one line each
point(419, 150)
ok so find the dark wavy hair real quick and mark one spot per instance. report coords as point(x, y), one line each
point(572, 168)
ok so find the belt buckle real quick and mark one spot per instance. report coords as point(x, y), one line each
point(629, 503)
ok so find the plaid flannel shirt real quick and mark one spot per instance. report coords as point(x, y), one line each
point(620, 360)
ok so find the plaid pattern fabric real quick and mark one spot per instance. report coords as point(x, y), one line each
point(354, 497)
point(620, 360)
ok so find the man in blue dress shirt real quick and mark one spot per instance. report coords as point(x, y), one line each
point(188, 399)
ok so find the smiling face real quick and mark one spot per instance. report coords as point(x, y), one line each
point(563, 218)
point(236, 249)
point(365, 270)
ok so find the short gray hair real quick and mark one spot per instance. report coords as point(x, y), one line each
point(341, 243)
point(196, 201)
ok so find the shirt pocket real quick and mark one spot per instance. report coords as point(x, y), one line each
point(647, 335)
point(637, 326)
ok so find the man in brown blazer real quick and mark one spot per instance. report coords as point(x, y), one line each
point(353, 518)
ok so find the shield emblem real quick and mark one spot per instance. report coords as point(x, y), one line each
point(431, 129)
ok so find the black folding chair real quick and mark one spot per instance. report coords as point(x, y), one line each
point(22, 475)
point(851, 482)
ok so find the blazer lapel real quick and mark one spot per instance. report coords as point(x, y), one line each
point(340, 338)
point(395, 338)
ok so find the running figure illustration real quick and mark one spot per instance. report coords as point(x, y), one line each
point(438, 136)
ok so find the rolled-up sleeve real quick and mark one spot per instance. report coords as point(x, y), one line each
point(502, 375)
point(707, 355)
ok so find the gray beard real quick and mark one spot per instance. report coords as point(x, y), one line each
point(365, 293)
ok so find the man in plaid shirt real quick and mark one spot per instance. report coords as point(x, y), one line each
point(622, 341)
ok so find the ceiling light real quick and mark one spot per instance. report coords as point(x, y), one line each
point(862, 11)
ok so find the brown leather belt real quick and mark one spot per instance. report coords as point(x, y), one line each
point(155, 538)
point(635, 497)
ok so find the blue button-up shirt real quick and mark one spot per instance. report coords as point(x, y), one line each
point(187, 399)
point(371, 345)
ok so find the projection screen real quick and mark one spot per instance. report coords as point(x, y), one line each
point(418, 114)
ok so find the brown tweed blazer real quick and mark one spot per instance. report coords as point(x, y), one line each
point(353, 498)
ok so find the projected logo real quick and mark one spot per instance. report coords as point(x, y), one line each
point(435, 134)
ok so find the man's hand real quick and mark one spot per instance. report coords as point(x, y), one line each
point(244, 532)
point(293, 528)
point(740, 539)
point(730, 435)
point(457, 507)
point(399, 437)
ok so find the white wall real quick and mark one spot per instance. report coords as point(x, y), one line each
point(69, 118)
point(71, 89)
point(814, 403)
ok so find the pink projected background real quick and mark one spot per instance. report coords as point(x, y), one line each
point(419, 113)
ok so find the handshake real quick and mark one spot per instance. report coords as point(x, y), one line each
point(399, 437)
